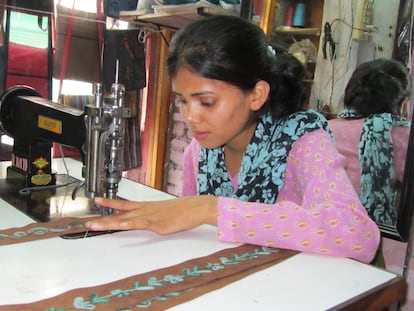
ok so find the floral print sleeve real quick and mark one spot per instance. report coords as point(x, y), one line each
point(190, 169)
point(317, 209)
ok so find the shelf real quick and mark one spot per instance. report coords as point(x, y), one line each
point(299, 31)
point(174, 20)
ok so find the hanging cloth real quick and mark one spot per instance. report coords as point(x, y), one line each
point(77, 47)
point(67, 40)
point(123, 45)
point(66, 49)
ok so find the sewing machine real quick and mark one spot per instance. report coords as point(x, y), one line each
point(35, 123)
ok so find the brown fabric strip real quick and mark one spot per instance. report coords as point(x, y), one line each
point(167, 287)
point(39, 231)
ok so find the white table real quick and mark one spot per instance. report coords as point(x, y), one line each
point(45, 268)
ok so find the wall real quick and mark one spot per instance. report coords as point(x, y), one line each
point(179, 137)
point(331, 76)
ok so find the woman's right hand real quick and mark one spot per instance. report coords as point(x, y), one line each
point(163, 217)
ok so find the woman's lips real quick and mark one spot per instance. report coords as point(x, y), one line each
point(200, 135)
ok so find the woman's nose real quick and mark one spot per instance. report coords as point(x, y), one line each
point(191, 112)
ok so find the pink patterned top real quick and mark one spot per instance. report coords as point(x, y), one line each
point(317, 209)
point(347, 134)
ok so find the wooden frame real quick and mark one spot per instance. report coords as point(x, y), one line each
point(401, 231)
point(158, 142)
point(268, 16)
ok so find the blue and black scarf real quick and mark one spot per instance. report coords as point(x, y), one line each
point(263, 166)
point(376, 159)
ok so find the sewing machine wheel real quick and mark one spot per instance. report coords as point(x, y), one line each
point(7, 105)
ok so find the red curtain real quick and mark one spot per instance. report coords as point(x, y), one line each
point(28, 66)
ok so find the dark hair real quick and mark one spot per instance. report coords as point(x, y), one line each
point(234, 50)
point(378, 86)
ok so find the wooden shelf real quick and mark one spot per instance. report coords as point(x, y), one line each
point(173, 20)
point(294, 31)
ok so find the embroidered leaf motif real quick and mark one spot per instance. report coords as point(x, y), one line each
point(248, 256)
point(173, 294)
point(148, 303)
point(173, 279)
point(79, 303)
point(16, 235)
point(196, 271)
point(144, 304)
point(73, 224)
point(266, 250)
point(94, 298)
point(139, 286)
point(214, 266)
point(152, 281)
point(226, 261)
point(236, 259)
point(120, 293)
point(38, 231)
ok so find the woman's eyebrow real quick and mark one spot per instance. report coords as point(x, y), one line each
point(201, 93)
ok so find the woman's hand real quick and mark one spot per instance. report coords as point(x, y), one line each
point(162, 217)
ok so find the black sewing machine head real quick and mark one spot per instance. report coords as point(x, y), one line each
point(35, 123)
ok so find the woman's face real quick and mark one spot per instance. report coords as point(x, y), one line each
point(216, 112)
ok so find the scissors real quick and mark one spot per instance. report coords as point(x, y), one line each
point(327, 39)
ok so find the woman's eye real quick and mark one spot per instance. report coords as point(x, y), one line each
point(180, 101)
point(208, 103)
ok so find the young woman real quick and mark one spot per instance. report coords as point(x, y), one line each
point(260, 167)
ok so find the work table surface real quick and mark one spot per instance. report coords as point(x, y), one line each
point(40, 269)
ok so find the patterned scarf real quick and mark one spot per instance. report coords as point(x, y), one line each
point(263, 165)
point(376, 160)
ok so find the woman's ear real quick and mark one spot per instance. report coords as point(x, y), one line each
point(259, 95)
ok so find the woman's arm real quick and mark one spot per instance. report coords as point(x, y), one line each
point(317, 209)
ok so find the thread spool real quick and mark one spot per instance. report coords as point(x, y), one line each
point(144, 6)
point(289, 16)
point(300, 15)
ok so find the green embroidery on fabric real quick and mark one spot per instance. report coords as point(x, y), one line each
point(41, 231)
point(148, 303)
point(152, 283)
